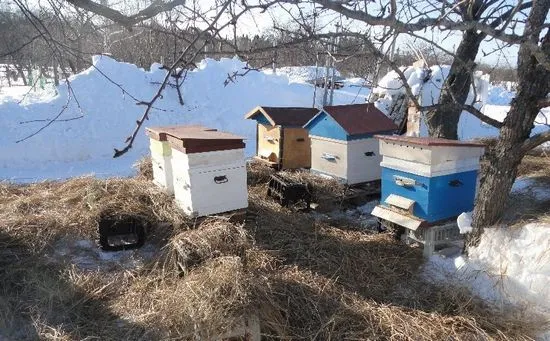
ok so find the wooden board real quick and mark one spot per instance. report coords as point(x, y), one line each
point(363, 161)
point(296, 148)
point(268, 143)
point(329, 156)
point(211, 190)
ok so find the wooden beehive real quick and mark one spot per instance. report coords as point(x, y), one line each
point(208, 167)
point(343, 143)
point(426, 180)
point(281, 139)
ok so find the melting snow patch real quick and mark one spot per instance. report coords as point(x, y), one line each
point(531, 187)
point(86, 255)
point(509, 267)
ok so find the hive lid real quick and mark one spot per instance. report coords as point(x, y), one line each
point(359, 119)
point(429, 141)
point(196, 139)
point(284, 116)
point(160, 133)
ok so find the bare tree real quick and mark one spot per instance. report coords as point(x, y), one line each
point(514, 140)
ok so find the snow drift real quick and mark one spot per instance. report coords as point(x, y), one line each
point(509, 268)
point(426, 84)
point(103, 111)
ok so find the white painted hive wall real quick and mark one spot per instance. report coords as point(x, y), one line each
point(339, 149)
point(195, 189)
point(206, 159)
point(362, 168)
point(449, 167)
point(429, 160)
point(161, 161)
point(406, 152)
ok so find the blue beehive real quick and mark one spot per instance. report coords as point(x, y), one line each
point(426, 180)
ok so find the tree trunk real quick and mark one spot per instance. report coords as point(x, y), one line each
point(534, 85)
point(55, 73)
point(21, 73)
point(8, 75)
point(443, 121)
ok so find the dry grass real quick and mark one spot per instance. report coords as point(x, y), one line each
point(213, 238)
point(535, 165)
point(325, 191)
point(144, 168)
point(41, 212)
point(304, 278)
point(337, 284)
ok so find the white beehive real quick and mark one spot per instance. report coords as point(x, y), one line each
point(161, 155)
point(208, 168)
point(343, 144)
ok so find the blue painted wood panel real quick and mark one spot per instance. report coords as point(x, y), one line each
point(436, 198)
point(417, 193)
point(261, 119)
point(452, 194)
point(324, 125)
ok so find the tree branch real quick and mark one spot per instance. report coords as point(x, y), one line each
point(158, 94)
point(481, 116)
point(152, 10)
point(535, 141)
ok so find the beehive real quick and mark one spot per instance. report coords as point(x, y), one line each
point(161, 157)
point(343, 144)
point(426, 180)
point(281, 139)
point(208, 167)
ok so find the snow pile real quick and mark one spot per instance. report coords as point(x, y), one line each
point(499, 95)
point(303, 74)
point(509, 267)
point(426, 84)
point(101, 112)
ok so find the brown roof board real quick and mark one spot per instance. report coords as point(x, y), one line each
point(429, 141)
point(285, 116)
point(196, 139)
point(160, 133)
point(358, 119)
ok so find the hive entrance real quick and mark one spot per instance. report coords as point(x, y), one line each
point(121, 232)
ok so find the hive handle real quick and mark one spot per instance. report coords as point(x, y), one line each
point(328, 157)
point(370, 154)
point(455, 183)
point(220, 179)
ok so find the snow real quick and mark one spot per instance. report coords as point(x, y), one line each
point(531, 187)
point(426, 83)
point(303, 74)
point(105, 114)
point(464, 222)
point(87, 256)
point(509, 268)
